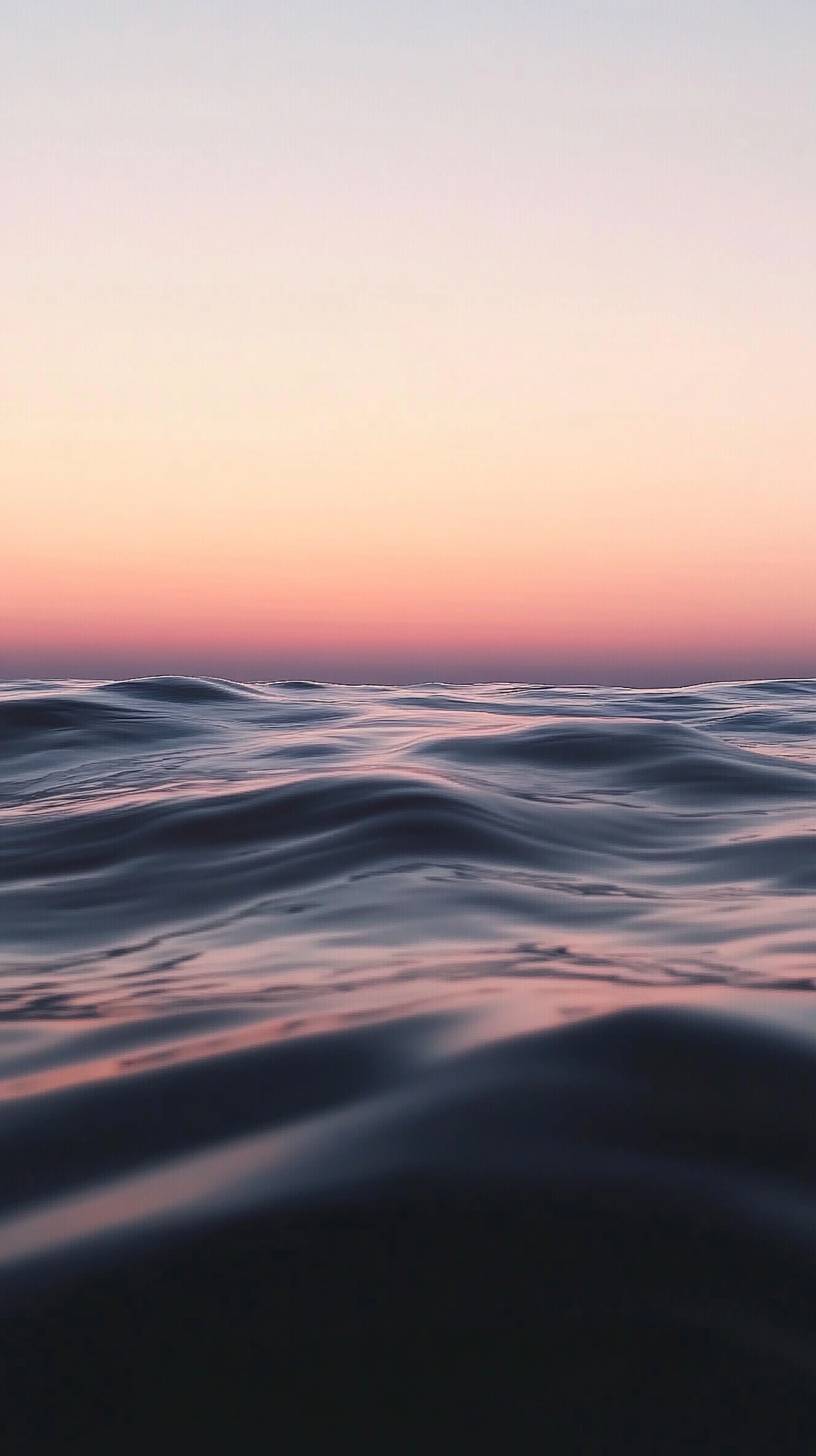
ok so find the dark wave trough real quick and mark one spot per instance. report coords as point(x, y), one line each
point(410, 1063)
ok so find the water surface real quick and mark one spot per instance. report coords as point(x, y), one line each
point(422, 1050)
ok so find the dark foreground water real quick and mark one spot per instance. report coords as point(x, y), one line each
point(397, 1067)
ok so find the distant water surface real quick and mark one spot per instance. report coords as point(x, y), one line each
point(425, 1048)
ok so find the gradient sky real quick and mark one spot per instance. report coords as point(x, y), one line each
point(409, 340)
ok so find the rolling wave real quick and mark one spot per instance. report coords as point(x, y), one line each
point(298, 832)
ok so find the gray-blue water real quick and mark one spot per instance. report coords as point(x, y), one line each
point(382, 1053)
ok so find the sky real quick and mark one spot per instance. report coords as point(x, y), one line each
point(408, 341)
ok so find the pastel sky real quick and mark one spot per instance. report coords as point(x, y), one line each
point(409, 339)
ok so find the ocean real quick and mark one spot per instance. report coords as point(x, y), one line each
point(404, 1065)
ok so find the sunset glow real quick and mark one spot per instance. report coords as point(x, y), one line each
point(419, 345)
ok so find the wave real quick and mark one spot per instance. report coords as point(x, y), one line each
point(300, 685)
point(667, 757)
point(424, 1235)
point(180, 690)
point(169, 803)
point(75, 722)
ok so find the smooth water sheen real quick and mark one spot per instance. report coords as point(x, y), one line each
point(408, 1060)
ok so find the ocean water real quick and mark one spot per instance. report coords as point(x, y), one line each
point(408, 1064)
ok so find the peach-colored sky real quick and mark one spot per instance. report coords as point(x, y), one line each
point(396, 344)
